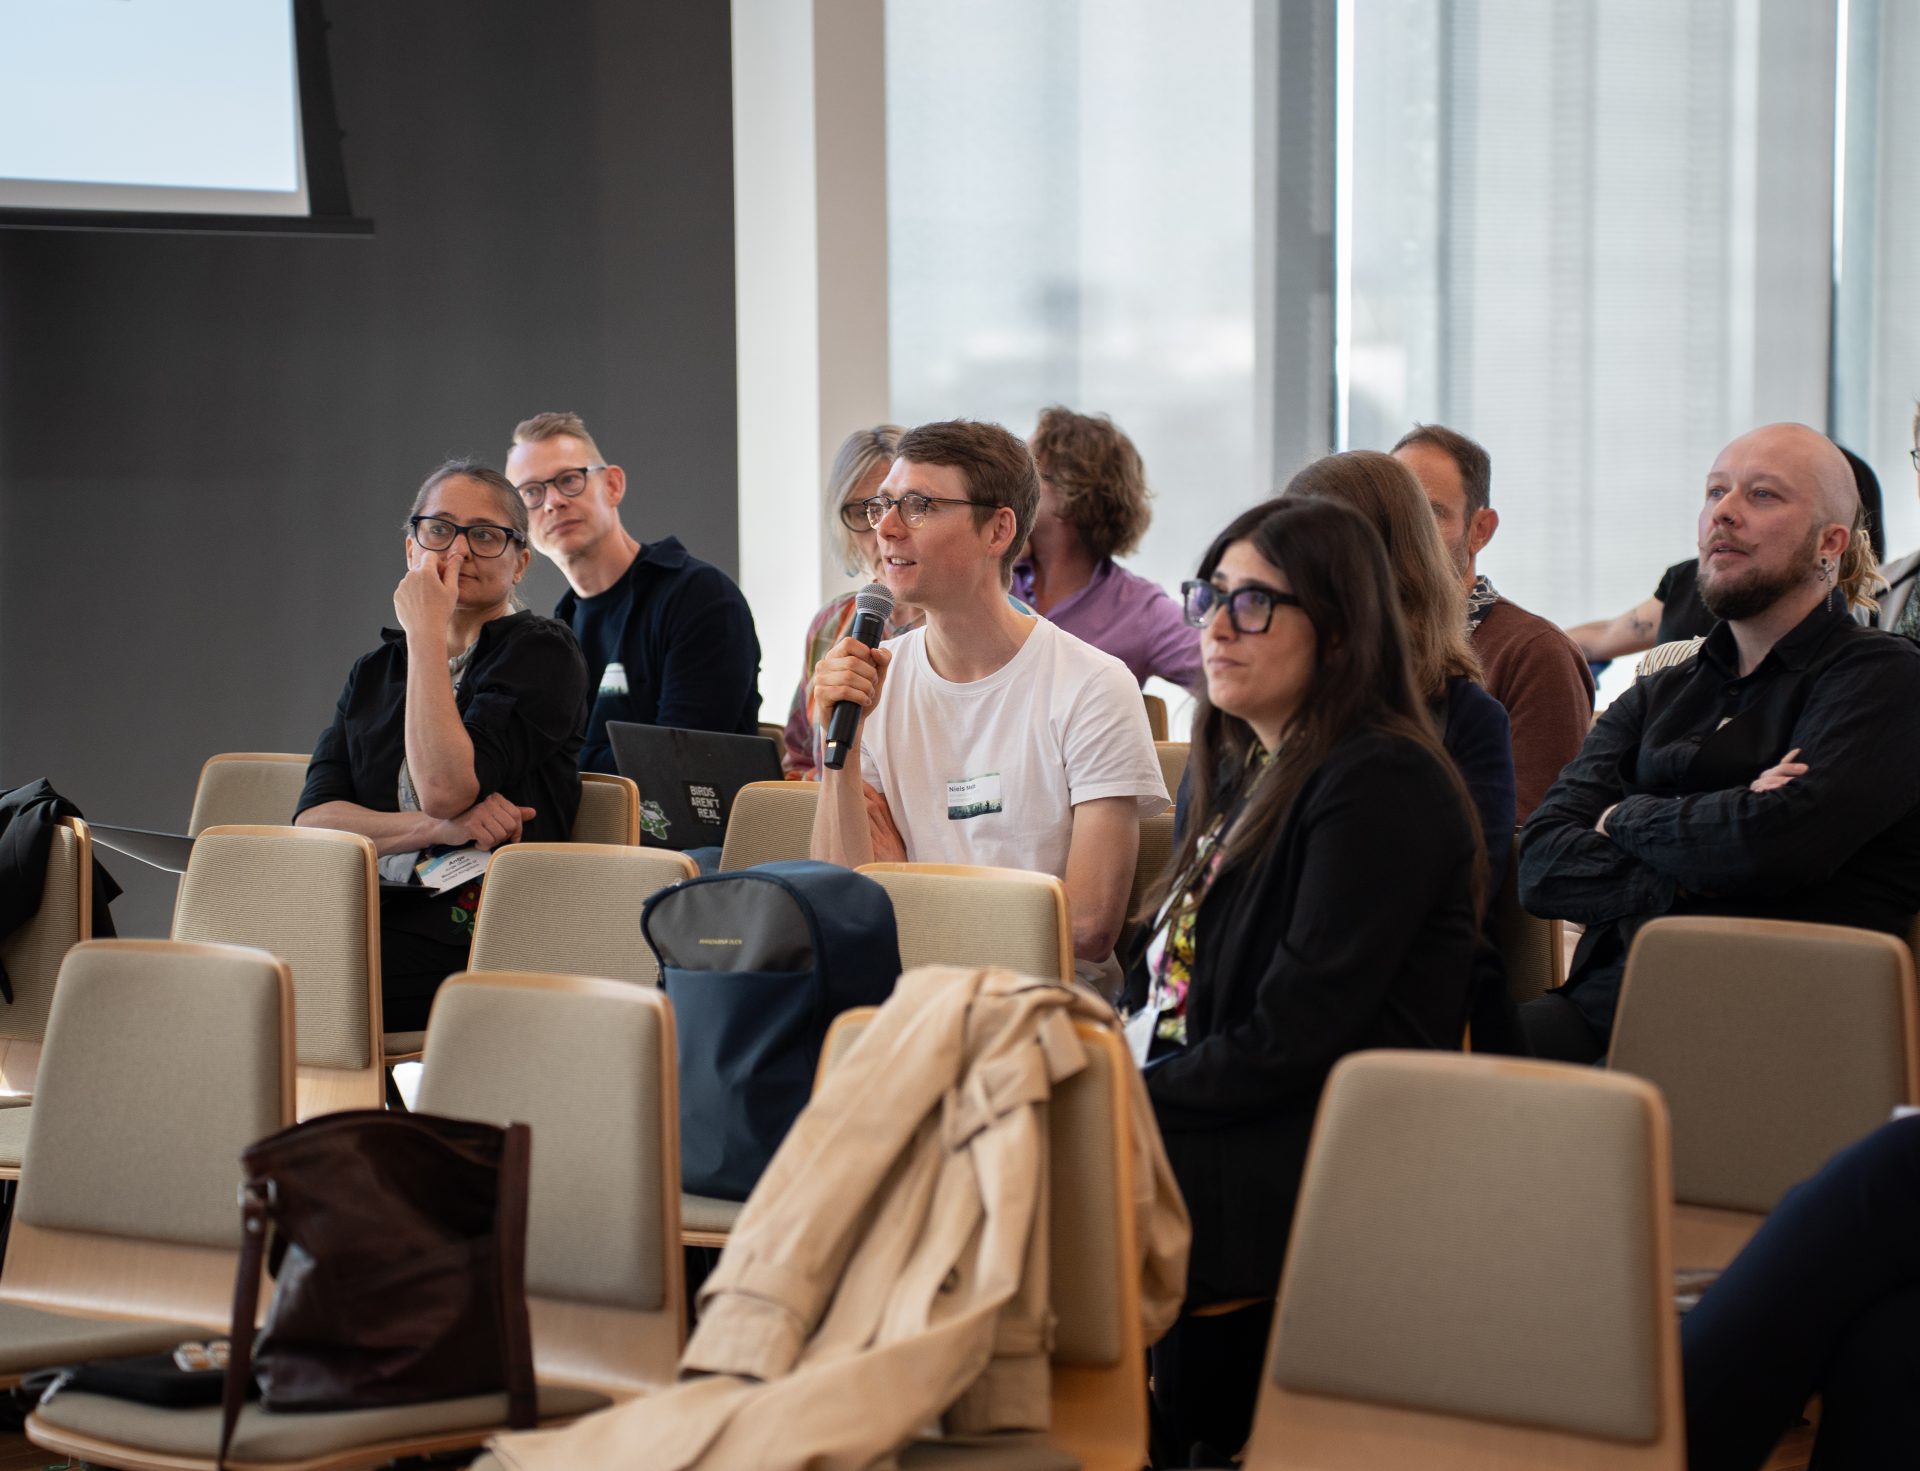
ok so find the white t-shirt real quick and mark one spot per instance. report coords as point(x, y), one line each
point(989, 772)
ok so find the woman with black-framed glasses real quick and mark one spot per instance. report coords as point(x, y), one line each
point(459, 733)
point(1323, 897)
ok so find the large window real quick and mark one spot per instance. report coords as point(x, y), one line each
point(1070, 220)
point(1595, 235)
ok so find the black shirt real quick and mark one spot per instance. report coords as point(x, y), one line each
point(670, 643)
point(1677, 752)
point(1682, 614)
point(523, 699)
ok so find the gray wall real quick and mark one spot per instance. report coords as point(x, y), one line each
point(208, 445)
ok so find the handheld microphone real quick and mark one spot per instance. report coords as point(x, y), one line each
point(872, 606)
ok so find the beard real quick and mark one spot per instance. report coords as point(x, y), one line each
point(1733, 596)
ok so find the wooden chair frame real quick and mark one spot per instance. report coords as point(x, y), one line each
point(327, 1089)
point(1708, 1238)
point(614, 1351)
point(98, 1276)
point(282, 757)
point(1062, 913)
point(1297, 1429)
point(601, 778)
point(19, 1057)
point(1156, 716)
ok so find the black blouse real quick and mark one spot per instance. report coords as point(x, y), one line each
point(1677, 752)
point(523, 699)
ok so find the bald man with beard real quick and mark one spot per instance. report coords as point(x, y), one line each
point(1773, 776)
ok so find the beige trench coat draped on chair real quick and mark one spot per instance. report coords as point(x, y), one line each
point(891, 1267)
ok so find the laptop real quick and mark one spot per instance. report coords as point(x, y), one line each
point(688, 778)
point(170, 851)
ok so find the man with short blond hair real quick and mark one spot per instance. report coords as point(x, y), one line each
point(1772, 776)
point(668, 638)
point(1531, 667)
point(1001, 738)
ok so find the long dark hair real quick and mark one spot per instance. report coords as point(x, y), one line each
point(1334, 562)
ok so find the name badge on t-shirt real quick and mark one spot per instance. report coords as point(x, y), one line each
point(973, 796)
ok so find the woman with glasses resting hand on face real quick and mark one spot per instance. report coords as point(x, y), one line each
point(1323, 897)
point(462, 730)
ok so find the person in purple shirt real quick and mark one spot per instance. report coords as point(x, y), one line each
point(1093, 508)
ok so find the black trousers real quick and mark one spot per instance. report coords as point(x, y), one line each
point(1206, 1378)
point(1556, 1029)
point(1826, 1299)
point(421, 944)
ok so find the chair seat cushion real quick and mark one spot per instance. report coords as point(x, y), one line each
point(31, 1338)
point(1008, 1452)
point(13, 1135)
point(704, 1213)
point(265, 1438)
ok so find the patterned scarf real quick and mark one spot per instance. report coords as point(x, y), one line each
point(1480, 597)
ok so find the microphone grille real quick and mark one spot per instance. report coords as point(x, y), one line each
point(873, 598)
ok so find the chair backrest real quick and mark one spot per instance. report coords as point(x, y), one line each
point(33, 953)
point(1666, 656)
point(1173, 764)
point(589, 1065)
point(1428, 1298)
point(572, 908)
point(1776, 1044)
point(1531, 949)
point(609, 810)
point(770, 821)
point(956, 914)
point(1099, 1398)
point(163, 1061)
point(1156, 716)
point(310, 896)
point(775, 733)
point(1156, 848)
point(257, 787)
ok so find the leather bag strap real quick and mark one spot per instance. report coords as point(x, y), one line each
point(510, 1250)
point(246, 1303)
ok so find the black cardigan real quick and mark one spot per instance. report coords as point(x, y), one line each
point(1355, 930)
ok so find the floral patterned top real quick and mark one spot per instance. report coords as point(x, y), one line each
point(1170, 955)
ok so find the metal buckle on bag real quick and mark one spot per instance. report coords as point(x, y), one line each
point(265, 1194)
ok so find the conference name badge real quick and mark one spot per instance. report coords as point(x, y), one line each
point(973, 796)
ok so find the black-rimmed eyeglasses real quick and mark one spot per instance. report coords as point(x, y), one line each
point(568, 482)
point(1249, 608)
point(484, 539)
point(868, 514)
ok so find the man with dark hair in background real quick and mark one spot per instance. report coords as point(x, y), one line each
point(668, 638)
point(1531, 667)
point(1770, 776)
point(1001, 739)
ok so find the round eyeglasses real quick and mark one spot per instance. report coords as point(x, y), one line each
point(568, 482)
point(868, 514)
point(484, 539)
point(1249, 608)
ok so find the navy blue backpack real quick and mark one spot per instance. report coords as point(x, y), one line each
point(758, 963)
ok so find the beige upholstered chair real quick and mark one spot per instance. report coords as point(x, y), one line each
point(1173, 764)
point(572, 908)
point(1156, 716)
point(1156, 848)
point(257, 787)
point(162, 1062)
point(1532, 950)
point(775, 733)
point(1428, 1312)
point(771, 820)
point(1099, 1391)
point(310, 896)
point(32, 955)
point(953, 914)
point(609, 810)
point(1667, 656)
point(1776, 1045)
point(589, 1065)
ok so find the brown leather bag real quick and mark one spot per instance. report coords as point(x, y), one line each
point(399, 1262)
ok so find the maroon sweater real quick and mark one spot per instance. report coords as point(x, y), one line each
point(1542, 678)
